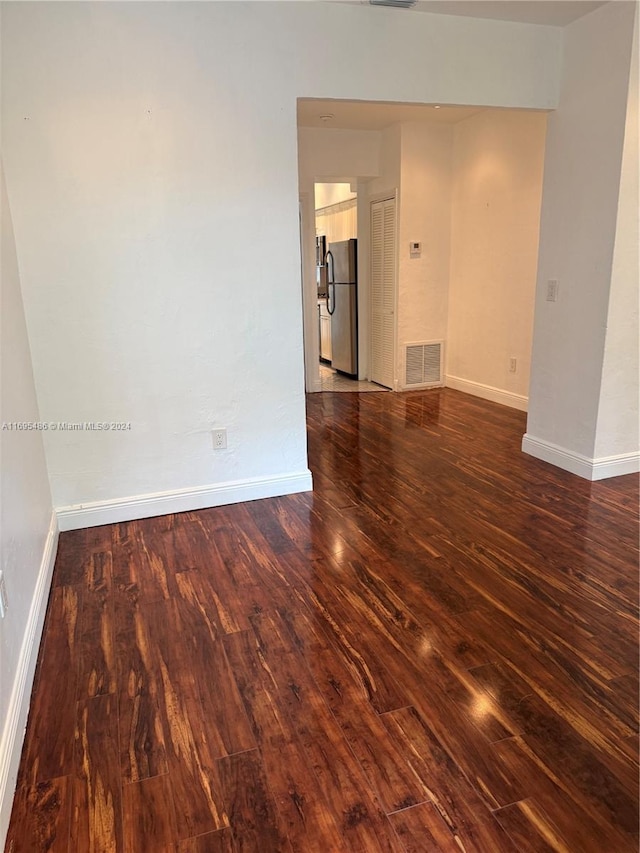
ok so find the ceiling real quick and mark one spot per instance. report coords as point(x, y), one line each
point(374, 115)
point(554, 13)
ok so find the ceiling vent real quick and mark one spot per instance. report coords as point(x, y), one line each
point(399, 4)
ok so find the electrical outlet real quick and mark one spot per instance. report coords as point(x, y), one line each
point(219, 439)
point(513, 365)
point(552, 290)
point(4, 604)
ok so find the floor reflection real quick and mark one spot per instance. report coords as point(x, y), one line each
point(331, 380)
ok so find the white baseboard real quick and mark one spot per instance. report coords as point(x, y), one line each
point(181, 500)
point(16, 722)
point(615, 466)
point(488, 392)
point(589, 469)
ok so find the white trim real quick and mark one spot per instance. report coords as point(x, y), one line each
point(16, 722)
point(181, 500)
point(488, 392)
point(576, 463)
point(377, 198)
point(309, 290)
point(616, 466)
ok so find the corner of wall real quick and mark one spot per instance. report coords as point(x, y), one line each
point(18, 711)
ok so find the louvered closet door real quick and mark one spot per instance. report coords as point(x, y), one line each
point(383, 279)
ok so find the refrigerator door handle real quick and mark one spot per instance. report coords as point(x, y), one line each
point(331, 290)
point(331, 298)
point(330, 269)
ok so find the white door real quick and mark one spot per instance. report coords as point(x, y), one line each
point(383, 286)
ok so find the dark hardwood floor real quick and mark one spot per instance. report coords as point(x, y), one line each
point(435, 651)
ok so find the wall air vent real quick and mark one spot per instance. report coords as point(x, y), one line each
point(399, 4)
point(423, 365)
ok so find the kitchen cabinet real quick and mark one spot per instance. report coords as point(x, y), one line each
point(324, 318)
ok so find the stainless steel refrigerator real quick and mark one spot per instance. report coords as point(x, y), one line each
point(342, 304)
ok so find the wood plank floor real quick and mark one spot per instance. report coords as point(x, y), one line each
point(435, 651)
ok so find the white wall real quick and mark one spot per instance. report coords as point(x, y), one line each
point(27, 540)
point(150, 152)
point(387, 179)
point(325, 154)
point(577, 233)
point(617, 429)
point(425, 216)
point(497, 184)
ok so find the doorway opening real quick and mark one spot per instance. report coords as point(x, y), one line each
point(343, 330)
point(467, 183)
